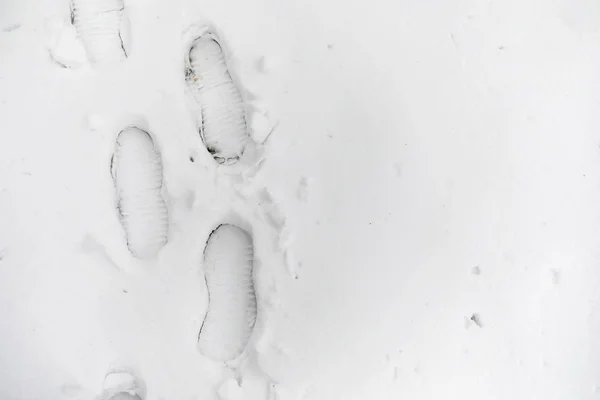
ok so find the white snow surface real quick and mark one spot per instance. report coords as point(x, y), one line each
point(424, 201)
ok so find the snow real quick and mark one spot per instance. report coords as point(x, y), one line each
point(422, 199)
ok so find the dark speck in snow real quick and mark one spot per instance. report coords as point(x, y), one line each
point(211, 150)
point(192, 159)
point(476, 320)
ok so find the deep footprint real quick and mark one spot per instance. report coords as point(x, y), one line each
point(231, 315)
point(99, 25)
point(138, 179)
point(223, 116)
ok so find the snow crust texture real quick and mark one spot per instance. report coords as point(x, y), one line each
point(223, 117)
point(99, 24)
point(138, 179)
point(231, 315)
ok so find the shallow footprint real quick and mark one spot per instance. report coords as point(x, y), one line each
point(138, 179)
point(100, 25)
point(229, 321)
point(223, 116)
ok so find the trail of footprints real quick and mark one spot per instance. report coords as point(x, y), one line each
point(229, 252)
point(137, 173)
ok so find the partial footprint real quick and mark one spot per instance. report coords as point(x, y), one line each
point(228, 265)
point(101, 26)
point(223, 116)
point(137, 173)
point(122, 385)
